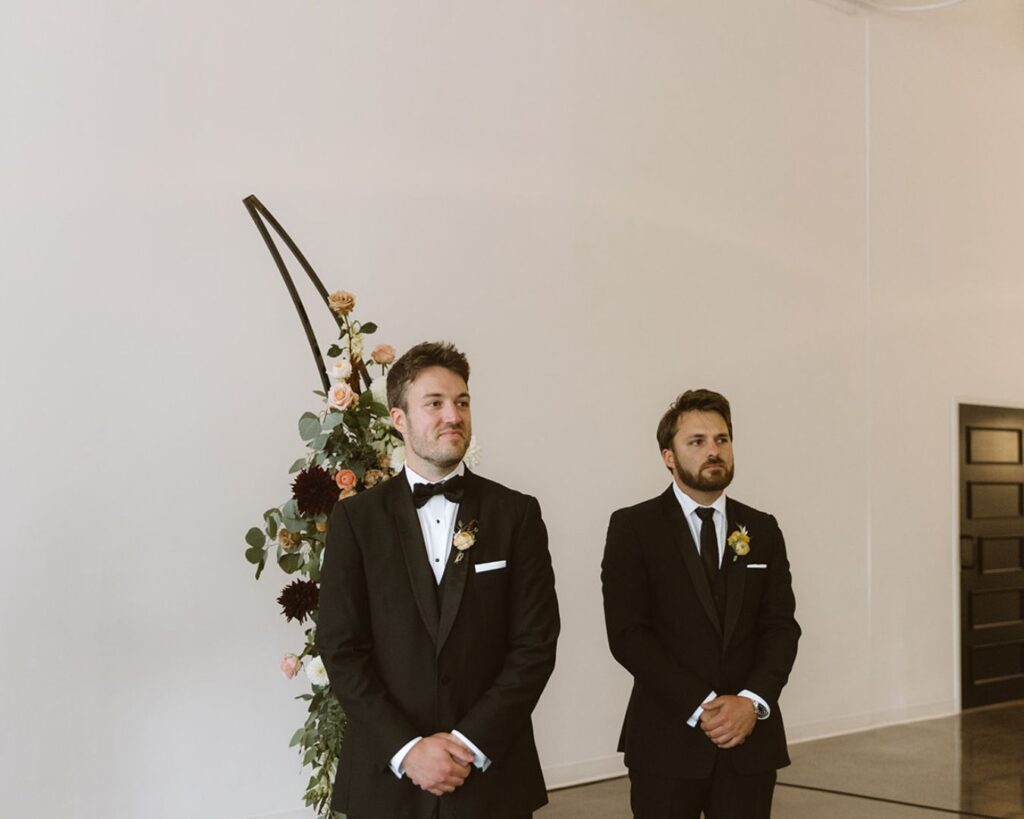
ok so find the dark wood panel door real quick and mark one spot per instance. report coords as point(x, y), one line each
point(991, 554)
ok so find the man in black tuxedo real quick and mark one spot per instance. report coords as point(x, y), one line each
point(438, 620)
point(699, 608)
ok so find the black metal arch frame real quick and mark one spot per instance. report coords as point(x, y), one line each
point(262, 217)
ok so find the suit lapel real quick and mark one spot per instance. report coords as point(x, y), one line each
point(736, 578)
point(680, 529)
point(421, 578)
point(455, 573)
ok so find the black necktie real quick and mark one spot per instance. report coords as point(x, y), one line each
point(708, 542)
point(453, 489)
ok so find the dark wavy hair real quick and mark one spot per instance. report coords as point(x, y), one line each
point(690, 401)
point(419, 358)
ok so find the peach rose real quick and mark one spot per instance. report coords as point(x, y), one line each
point(341, 302)
point(383, 354)
point(346, 479)
point(341, 396)
point(290, 665)
point(372, 477)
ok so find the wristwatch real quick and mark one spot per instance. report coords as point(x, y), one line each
point(759, 709)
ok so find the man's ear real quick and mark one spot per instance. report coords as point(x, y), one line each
point(398, 419)
point(669, 458)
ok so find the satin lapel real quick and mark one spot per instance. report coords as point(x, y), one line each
point(455, 573)
point(421, 578)
point(736, 578)
point(676, 522)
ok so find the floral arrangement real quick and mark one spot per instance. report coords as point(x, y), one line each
point(350, 446)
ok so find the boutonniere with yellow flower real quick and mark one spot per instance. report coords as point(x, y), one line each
point(739, 542)
point(464, 539)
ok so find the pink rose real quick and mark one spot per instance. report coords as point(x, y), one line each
point(290, 665)
point(383, 354)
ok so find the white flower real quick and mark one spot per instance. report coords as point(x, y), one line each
point(355, 345)
point(316, 672)
point(397, 458)
point(473, 453)
point(341, 370)
point(379, 388)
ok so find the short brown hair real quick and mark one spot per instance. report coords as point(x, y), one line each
point(419, 358)
point(691, 401)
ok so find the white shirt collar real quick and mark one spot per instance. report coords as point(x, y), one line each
point(415, 478)
point(690, 505)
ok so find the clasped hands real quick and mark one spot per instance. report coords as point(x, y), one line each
point(438, 764)
point(728, 720)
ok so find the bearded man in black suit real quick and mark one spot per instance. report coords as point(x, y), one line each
point(438, 620)
point(699, 609)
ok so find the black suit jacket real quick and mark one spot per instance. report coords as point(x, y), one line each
point(406, 661)
point(664, 628)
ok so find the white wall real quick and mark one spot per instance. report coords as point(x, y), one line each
point(809, 207)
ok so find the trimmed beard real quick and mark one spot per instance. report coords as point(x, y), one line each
point(703, 483)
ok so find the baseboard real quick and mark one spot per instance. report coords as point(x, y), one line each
point(580, 773)
point(855, 723)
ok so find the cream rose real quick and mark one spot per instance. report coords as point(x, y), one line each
point(372, 477)
point(341, 370)
point(463, 540)
point(342, 302)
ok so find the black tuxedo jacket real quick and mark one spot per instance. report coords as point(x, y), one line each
point(406, 658)
point(663, 626)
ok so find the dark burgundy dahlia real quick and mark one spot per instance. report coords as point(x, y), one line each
point(314, 491)
point(299, 599)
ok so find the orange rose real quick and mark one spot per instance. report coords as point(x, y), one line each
point(346, 479)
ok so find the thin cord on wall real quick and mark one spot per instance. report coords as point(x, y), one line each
point(926, 7)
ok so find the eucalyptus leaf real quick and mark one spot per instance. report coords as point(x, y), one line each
point(320, 441)
point(298, 466)
point(332, 420)
point(254, 554)
point(290, 563)
point(309, 426)
point(272, 528)
point(259, 569)
point(255, 538)
point(290, 509)
point(296, 737)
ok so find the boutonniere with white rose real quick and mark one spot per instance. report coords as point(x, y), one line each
point(464, 539)
point(739, 542)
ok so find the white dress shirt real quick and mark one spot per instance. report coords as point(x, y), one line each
point(690, 507)
point(437, 522)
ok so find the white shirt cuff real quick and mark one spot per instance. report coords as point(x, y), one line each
point(396, 761)
point(479, 759)
point(750, 695)
point(693, 720)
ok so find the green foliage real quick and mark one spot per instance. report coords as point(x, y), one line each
point(359, 438)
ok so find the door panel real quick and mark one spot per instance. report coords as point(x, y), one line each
point(991, 554)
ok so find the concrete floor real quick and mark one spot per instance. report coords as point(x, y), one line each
point(969, 765)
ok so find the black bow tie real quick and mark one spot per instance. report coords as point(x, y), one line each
point(453, 489)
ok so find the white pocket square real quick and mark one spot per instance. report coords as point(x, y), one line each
point(757, 565)
point(490, 567)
